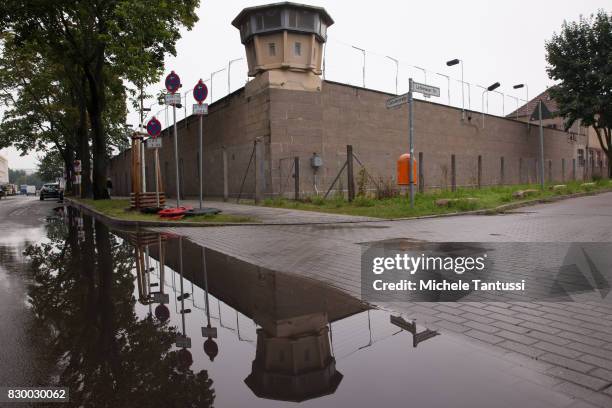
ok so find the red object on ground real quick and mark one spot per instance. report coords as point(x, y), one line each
point(173, 213)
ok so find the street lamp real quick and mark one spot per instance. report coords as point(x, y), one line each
point(229, 74)
point(449, 82)
point(519, 86)
point(396, 72)
point(489, 89)
point(503, 102)
point(212, 75)
point(460, 62)
point(364, 63)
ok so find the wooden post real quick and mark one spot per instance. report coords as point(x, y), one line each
point(349, 172)
point(296, 177)
point(501, 171)
point(421, 174)
point(520, 171)
point(563, 170)
point(453, 173)
point(225, 176)
point(479, 175)
point(574, 169)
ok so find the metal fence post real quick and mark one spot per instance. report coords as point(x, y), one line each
point(479, 174)
point(501, 171)
point(421, 175)
point(296, 177)
point(563, 170)
point(574, 169)
point(520, 171)
point(225, 176)
point(349, 172)
point(453, 173)
point(550, 177)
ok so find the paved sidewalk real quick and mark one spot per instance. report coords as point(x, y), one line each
point(571, 343)
point(274, 215)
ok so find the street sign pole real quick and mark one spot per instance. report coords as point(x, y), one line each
point(541, 146)
point(176, 159)
point(411, 142)
point(200, 162)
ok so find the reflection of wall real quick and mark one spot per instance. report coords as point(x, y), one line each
point(294, 360)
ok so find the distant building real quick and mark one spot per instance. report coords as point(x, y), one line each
point(529, 113)
point(4, 174)
point(287, 128)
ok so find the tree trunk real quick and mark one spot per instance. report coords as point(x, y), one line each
point(95, 108)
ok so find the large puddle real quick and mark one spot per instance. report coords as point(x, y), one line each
point(146, 319)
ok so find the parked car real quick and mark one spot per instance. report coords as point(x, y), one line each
point(50, 190)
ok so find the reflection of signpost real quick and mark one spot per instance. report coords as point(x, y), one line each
point(412, 328)
point(426, 90)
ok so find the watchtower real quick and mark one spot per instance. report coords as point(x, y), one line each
point(284, 45)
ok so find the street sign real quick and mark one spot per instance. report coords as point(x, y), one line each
point(154, 127)
point(424, 89)
point(154, 143)
point(200, 92)
point(397, 101)
point(173, 82)
point(183, 341)
point(200, 109)
point(161, 298)
point(172, 99)
point(209, 332)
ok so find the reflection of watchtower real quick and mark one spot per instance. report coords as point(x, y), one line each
point(284, 44)
point(293, 361)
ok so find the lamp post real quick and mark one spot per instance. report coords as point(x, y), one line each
point(519, 86)
point(396, 72)
point(449, 82)
point(503, 102)
point(489, 89)
point(212, 75)
point(363, 70)
point(460, 62)
point(229, 74)
point(517, 104)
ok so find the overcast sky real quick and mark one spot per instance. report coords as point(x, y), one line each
point(498, 41)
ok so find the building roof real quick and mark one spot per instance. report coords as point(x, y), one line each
point(250, 10)
point(528, 108)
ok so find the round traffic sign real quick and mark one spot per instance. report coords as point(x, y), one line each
point(173, 82)
point(200, 92)
point(154, 127)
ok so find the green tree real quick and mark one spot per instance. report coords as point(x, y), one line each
point(50, 166)
point(107, 41)
point(580, 58)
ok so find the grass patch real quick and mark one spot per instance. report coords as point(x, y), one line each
point(117, 209)
point(425, 204)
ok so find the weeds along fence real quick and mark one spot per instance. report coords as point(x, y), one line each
point(350, 175)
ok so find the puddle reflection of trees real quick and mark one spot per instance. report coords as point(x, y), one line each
point(82, 296)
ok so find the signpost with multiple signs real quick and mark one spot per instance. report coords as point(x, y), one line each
point(173, 83)
point(154, 129)
point(407, 99)
point(200, 92)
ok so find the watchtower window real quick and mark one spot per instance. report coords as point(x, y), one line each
point(272, 49)
point(297, 49)
point(268, 20)
point(304, 20)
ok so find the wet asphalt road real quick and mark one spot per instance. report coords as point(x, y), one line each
point(21, 223)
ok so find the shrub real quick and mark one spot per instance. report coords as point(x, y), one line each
point(362, 201)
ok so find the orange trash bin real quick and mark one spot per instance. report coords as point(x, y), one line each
point(403, 170)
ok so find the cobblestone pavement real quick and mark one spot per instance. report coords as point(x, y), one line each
point(569, 342)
